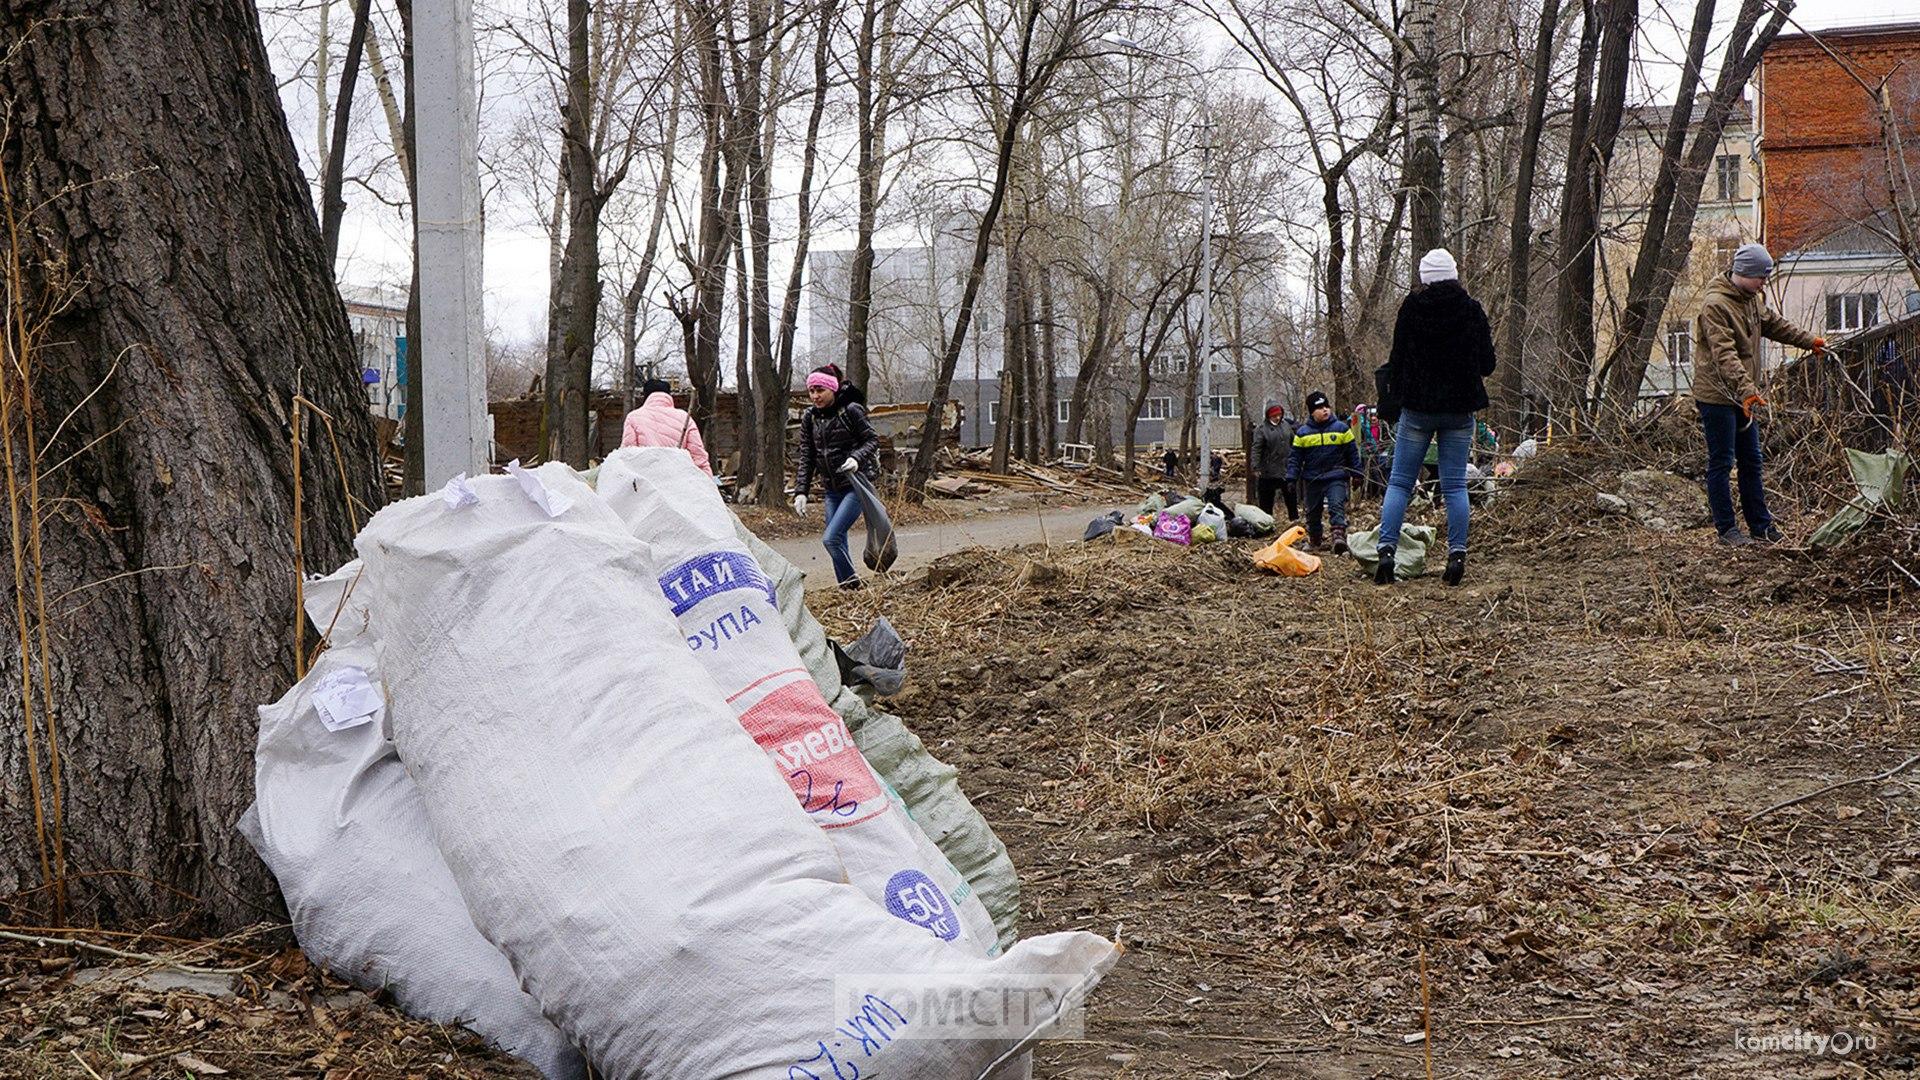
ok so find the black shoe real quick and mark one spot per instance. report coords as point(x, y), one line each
point(1383, 574)
point(1769, 535)
point(852, 584)
point(1456, 567)
point(1734, 538)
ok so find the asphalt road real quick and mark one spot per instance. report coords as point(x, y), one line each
point(921, 544)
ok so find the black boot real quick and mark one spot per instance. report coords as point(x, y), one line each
point(1456, 567)
point(1383, 573)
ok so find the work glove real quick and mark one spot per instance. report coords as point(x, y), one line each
point(848, 466)
point(1752, 405)
point(1819, 346)
point(800, 505)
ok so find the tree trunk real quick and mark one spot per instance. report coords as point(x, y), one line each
point(164, 542)
point(570, 374)
point(774, 391)
point(332, 205)
point(1589, 154)
point(382, 85)
point(1425, 179)
point(649, 255)
point(1011, 340)
point(414, 426)
point(742, 363)
point(1664, 250)
point(1049, 362)
point(720, 181)
point(1512, 371)
point(867, 175)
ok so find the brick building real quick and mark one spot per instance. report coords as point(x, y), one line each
point(1824, 178)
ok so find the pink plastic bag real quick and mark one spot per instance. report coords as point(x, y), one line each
point(1174, 527)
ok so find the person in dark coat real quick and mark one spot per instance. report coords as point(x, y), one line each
point(1442, 354)
point(1272, 447)
point(835, 441)
point(1170, 461)
point(1324, 461)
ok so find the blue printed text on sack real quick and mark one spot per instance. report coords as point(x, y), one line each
point(709, 575)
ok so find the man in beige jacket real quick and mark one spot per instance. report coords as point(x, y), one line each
point(1726, 388)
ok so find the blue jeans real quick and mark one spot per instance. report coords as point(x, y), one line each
point(1454, 431)
point(1730, 439)
point(843, 509)
point(1331, 494)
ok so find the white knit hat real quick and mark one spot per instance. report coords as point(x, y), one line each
point(1438, 265)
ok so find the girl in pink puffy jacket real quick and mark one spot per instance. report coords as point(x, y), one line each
point(658, 422)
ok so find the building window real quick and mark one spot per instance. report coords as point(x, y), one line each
point(1063, 411)
point(1157, 408)
point(1227, 405)
point(1726, 175)
point(1177, 363)
point(1679, 344)
point(1852, 311)
point(1723, 250)
point(993, 413)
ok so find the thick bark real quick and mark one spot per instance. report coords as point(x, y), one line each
point(1512, 369)
point(332, 205)
point(1668, 239)
point(569, 382)
point(1424, 170)
point(757, 118)
point(1049, 364)
point(1589, 154)
point(171, 223)
point(742, 361)
point(867, 175)
point(1092, 360)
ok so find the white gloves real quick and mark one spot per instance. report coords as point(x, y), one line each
point(800, 505)
point(848, 466)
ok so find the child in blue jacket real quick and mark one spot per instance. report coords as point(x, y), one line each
point(1324, 461)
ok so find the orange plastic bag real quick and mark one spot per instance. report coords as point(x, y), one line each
point(1280, 557)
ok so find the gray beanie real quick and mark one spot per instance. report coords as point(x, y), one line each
point(1753, 261)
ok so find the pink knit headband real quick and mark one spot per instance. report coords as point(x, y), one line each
point(822, 380)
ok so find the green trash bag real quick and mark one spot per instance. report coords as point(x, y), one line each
point(1153, 505)
point(1881, 479)
point(1409, 556)
point(1257, 519)
point(1188, 508)
point(929, 788)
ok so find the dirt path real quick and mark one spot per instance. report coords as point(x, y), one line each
point(1536, 785)
point(920, 544)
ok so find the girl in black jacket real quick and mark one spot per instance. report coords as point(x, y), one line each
point(835, 441)
point(1442, 355)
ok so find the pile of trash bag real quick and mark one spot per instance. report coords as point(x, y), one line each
point(1185, 519)
point(564, 775)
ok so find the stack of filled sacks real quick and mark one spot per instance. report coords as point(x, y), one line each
point(637, 798)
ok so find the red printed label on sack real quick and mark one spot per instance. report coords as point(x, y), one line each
point(809, 744)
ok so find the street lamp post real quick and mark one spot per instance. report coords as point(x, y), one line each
point(1203, 410)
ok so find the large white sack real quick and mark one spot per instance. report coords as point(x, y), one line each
point(618, 834)
point(929, 787)
point(730, 615)
point(337, 820)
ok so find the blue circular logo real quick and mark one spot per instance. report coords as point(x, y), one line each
point(912, 895)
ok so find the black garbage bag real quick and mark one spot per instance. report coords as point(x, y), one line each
point(882, 548)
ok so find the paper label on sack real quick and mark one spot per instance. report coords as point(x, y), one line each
point(552, 502)
point(459, 492)
point(347, 698)
point(809, 744)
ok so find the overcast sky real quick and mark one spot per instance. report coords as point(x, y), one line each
point(374, 248)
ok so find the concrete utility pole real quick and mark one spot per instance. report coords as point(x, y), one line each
point(452, 348)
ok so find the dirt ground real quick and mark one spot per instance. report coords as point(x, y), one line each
point(1307, 804)
point(1288, 794)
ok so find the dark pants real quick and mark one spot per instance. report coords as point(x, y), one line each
point(1266, 487)
point(1733, 439)
point(1331, 494)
